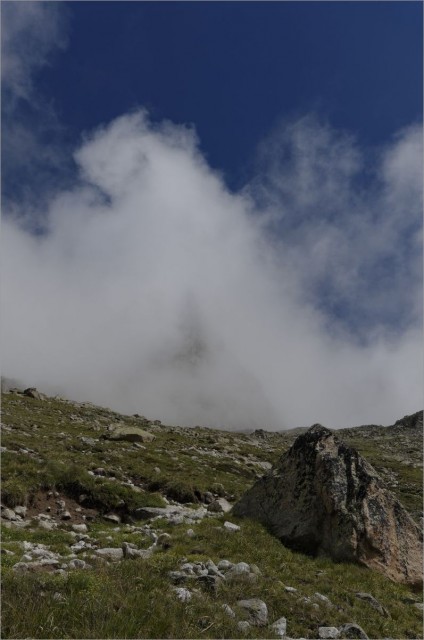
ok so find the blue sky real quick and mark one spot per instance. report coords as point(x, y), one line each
point(234, 69)
point(263, 159)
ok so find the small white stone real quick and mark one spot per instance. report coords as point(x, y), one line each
point(229, 526)
point(256, 610)
point(80, 528)
point(49, 526)
point(9, 514)
point(228, 610)
point(77, 564)
point(328, 633)
point(319, 596)
point(224, 565)
point(243, 625)
point(290, 589)
point(110, 553)
point(112, 517)
point(239, 568)
point(280, 627)
point(58, 596)
point(184, 595)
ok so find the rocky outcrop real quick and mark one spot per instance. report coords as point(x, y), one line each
point(323, 497)
point(32, 392)
point(130, 434)
point(412, 422)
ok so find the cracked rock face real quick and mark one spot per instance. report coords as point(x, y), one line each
point(323, 497)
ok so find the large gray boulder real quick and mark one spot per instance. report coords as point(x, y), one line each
point(324, 498)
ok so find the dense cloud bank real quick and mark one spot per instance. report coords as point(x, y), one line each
point(156, 290)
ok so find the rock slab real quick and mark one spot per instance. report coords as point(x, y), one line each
point(324, 498)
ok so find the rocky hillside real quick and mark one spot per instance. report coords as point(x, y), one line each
point(118, 526)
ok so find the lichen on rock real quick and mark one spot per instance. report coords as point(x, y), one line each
point(324, 498)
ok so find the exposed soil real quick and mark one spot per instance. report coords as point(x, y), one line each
point(47, 502)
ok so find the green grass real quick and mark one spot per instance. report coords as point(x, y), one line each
point(134, 599)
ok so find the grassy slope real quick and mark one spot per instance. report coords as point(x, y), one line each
point(133, 598)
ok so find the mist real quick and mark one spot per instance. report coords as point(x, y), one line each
point(155, 289)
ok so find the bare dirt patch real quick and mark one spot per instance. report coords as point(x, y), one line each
point(54, 503)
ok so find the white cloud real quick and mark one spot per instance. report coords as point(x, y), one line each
point(349, 221)
point(31, 32)
point(157, 291)
point(35, 157)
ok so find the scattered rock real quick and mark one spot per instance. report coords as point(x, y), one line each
point(47, 565)
point(211, 582)
point(224, 565)
point(110, 553)
point(323, 497)
point(290, 589)
point(21, 567)
point(112, 517)
point(221, 505)
point(256, 610)
point(129, 551)
point(130, 434)
point(328, 632)
point(9, 514)
point(229, 526)
point(319, 596)
point(32, 392)
point(183, 594)
point(77, 563)
point(47, 525)
point(280, 627)
point(243, 625)
point(80, 528)
point(373, 602)
point(21, 511)
point(215, 507)
point(174, 514)
point(58, 597)
point(239, 569)
point(90, 442)
point(99, 471)
point(179, 577)
point(164, 540)
point(352, 631)
point(228, 610)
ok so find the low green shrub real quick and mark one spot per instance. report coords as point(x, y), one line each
point(14, 493)
point(179, 491)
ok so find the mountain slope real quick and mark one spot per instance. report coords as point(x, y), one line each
point(83, 493)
